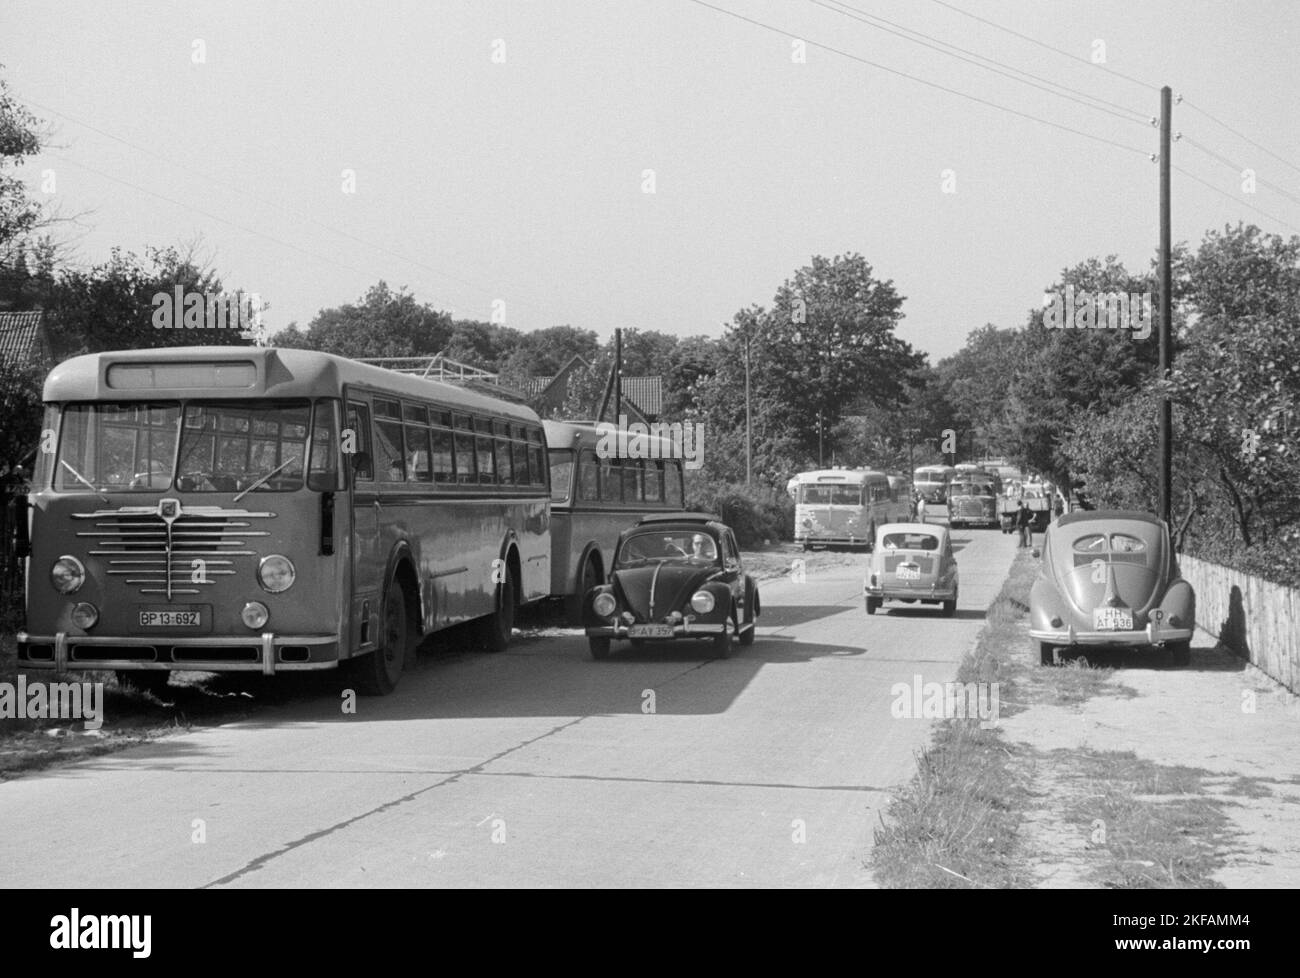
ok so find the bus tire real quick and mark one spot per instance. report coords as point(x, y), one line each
point(377, 673)
point(144, 680)
point(495, 629)
point(588, 578)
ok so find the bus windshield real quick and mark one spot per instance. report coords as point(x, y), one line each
point(831, 495)
point(214, 446)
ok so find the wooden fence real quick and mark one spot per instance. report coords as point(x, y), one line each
point(1257, 619)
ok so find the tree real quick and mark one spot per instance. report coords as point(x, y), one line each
point(383, 323)
point(18, 140)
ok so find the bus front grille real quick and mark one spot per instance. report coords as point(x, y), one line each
point(194, 550)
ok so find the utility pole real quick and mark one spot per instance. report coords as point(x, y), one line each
point(1166, 308)
point(618, 377)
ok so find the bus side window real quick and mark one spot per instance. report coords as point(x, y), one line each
point(520, 451)
point(654, 481)
point(390, 466)
point(673, 482)
point(588, 486)
point(611, 489)
point(465, 471)
point(444, 469)
point(362, 458)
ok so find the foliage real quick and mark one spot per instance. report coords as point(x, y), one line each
point(756, 515)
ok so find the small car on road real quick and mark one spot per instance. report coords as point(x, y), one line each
point(675, 575)
point(912, 562)
point(1111, 578)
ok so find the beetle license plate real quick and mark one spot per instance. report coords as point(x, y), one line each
point(1112, 619)
point(650, 631)
point(171, 618)
point(905, 573)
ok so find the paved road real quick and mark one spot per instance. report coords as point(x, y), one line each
point(537, 767)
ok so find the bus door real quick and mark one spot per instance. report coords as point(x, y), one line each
point(367, 562)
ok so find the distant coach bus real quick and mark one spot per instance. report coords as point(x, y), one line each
point(931, 482)
point(263, 510)
point(843, 507)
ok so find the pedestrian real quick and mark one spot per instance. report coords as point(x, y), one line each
point(1024, 520)
point(920, 510)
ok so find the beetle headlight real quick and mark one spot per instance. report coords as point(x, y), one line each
point(276, 573)
point(604, 604)
point(702, 602)
point(85, 614)
point(68, 574)
point(255, 614)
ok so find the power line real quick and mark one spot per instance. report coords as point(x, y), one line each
point(1240, 135)
point(1119, 74)
point(1044, 44)
point(922, 81)
point(1221, 193)
point(1237, 167)
point(1125, 113)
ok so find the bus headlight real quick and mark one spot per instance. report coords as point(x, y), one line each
point(85, 614)
point(68, 575)
point(255, 614)
point(276, 573)
point(604, 604)
point(702, 602)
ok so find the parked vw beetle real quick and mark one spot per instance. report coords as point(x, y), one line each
point(1110, 577)
point(912, 562)
point(675, 575)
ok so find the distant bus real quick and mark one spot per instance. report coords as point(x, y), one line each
point(843, 507)
point(593, 499)
point(931, 482)
point(226, 509)
point(973, 500)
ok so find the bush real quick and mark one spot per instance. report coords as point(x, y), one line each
point(755, 513)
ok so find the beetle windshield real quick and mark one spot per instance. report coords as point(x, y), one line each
point(671, 546)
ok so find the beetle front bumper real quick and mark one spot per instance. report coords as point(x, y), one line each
point(1152, 635)
point(684, 630)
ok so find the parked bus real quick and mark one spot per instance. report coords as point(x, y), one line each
point(931, 482)
point(594, 499)
point(843, 507)
point(243, 509)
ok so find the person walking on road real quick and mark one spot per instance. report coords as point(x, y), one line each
point(1024, 521)
point(920, 510)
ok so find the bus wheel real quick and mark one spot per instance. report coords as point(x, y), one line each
point(377, 673)
point(587, 580)
point(496, 628)
point(145, 680)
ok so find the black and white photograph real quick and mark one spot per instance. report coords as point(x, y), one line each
point(650, 445)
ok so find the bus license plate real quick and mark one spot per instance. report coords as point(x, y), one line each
point(650, 631)
point(1112, 619)
point(905, 573)
point(171, 619)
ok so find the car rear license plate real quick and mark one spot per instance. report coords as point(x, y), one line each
point(650, 631)
point(171, 618)
point(1112, 619)
point(905, 573)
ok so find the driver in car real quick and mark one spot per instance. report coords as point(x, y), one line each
point(702, 548)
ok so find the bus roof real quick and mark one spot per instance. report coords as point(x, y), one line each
point(247, 372)
point(844, 476)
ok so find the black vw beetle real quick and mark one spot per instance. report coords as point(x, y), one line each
point(675, 575)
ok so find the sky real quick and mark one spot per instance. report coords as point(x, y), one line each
point(499, 149)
